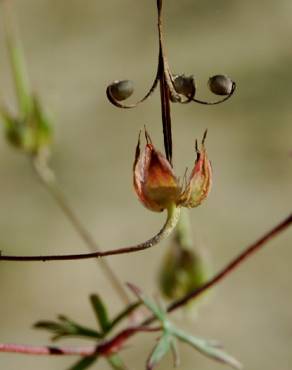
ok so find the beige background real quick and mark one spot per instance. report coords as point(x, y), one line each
point(74, 49)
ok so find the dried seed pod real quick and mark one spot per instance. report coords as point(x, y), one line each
point(184, 85)
point(220, 85)
point(121, 90)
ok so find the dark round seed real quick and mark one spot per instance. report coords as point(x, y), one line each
point(121, 90)
point(184, 85)
point(220, 85)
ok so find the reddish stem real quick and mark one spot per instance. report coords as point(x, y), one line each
point(47, 350)
point(108, 347)
point(105, 348)
point(233, 264)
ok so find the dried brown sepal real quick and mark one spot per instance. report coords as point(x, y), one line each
point(154, 180)
point(200, 180)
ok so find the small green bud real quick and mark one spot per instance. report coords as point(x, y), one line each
point(182, 271)
point(184, 85)
point(121, 90)
point(31, 133)
point(20, 136)
point(220, 85)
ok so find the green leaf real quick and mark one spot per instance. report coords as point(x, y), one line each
point(116, 362)
point(67, 327)
point(207, 348)
point(155, 309)
point(159, 351)
point(100, 313)
point(48, 325)
point(80, 330)
point(84, 363)
point(124, 314)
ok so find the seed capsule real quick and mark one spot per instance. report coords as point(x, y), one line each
point(184, 85)
point(121, 90)
point(220, 85)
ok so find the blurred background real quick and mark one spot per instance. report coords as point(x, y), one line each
point(74, 49)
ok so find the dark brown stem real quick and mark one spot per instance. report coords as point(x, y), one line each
point(165, 113)
point(165, 82)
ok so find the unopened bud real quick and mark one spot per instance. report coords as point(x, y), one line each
point(183, 270)
point(30, 134)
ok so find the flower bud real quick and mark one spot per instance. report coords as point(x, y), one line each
point(121, 90)
point(154, 179)
point(182, 271)
point(20, 136)
point(220, 85)
point(184, 85)
point(31, 133)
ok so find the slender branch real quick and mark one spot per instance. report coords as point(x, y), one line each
point(236, 262)
point(172, 218)
point(48, 180)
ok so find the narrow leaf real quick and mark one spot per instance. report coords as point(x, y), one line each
point(100, 313)
point(160, 314)
point(47, 325)
point(78, 329)
point(84, 363)
point(65, 328)
point(159, 351)
point(207, 348)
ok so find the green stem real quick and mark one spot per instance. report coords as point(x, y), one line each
point(183, 234)
point(21, 81)
point(47, 178)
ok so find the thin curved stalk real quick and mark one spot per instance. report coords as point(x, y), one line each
point(217, 101)
point(173, 214)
